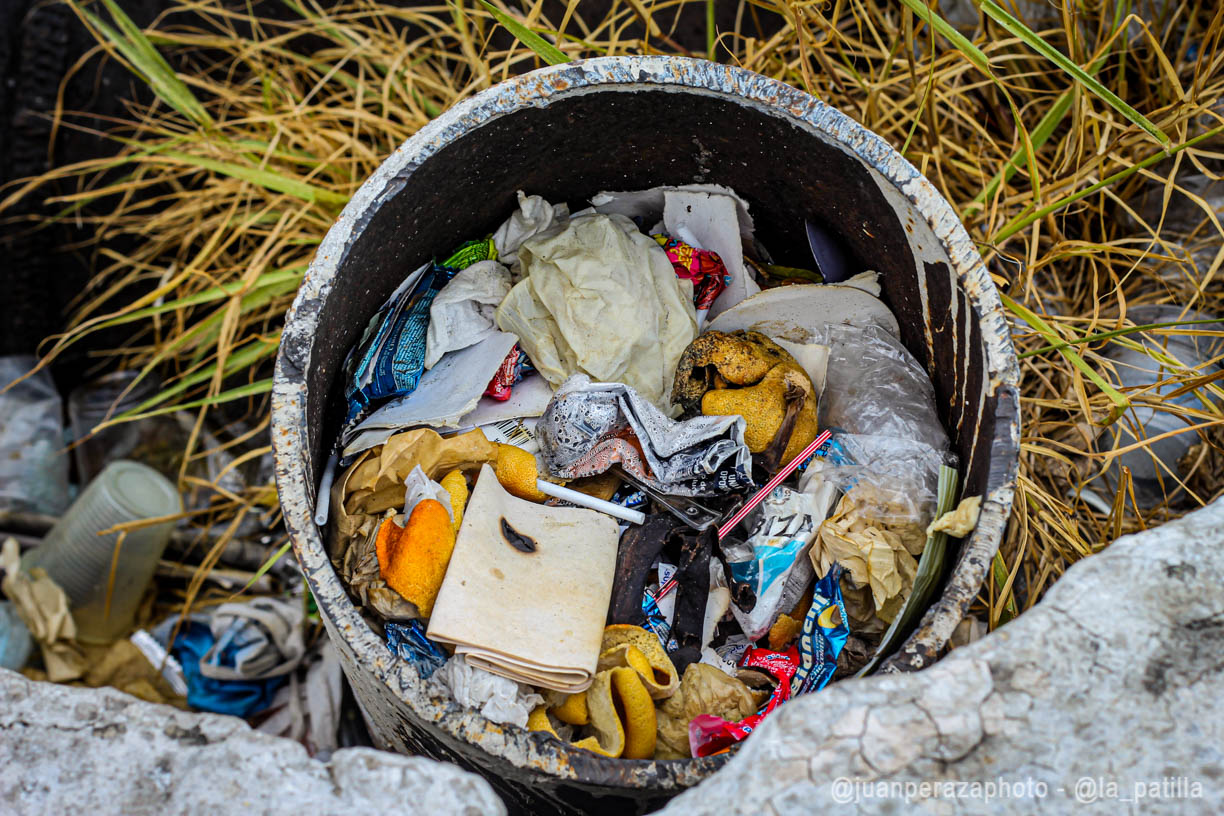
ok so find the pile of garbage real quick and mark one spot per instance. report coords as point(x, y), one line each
point(616, 477)
point(110, 576)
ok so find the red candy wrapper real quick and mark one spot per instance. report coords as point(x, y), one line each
point(711, 735)
point(512, 370)
point(701, 266)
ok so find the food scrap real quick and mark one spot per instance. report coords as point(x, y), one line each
point(574, 505)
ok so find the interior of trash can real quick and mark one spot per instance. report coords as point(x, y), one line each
point(629, 140)
point(631, 136)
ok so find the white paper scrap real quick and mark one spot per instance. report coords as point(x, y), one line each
point(445, 394)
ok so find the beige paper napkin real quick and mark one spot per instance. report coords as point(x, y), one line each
point(534, 612)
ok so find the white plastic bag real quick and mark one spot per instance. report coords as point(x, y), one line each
point(33, 465)
point(773, 559)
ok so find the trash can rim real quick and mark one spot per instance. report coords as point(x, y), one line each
point(541, 88)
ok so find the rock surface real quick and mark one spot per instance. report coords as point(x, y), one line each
point(97, 751)
point(1105, 695)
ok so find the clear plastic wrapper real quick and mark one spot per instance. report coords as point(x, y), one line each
point(773, 558)
point(33, 467)
point(878, 528)
point(875, 387)
point(894, 479)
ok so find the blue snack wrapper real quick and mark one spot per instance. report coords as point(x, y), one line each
point(628, 495)
point(824, 634)
point(655, 621)
point(390, 359)
point(409, 642)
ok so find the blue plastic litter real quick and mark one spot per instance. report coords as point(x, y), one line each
point(241, 698)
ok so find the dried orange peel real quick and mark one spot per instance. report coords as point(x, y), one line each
point(573, 709)
point(763, 407)
point(516, 470)
point(622, 716)
point(538, 720)
point(784, 631)
point(718, 360)
point(456, 485)
point(633, 647)
point(412, 559)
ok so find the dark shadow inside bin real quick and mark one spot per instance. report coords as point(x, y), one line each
point(620, 139)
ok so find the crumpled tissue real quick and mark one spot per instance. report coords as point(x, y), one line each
point(499, 699)
point(534, 217)
point(461, 315)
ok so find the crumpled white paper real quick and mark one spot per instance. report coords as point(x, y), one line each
point(461, 315)
point(500, 699)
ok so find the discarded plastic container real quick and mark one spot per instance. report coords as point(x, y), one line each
point(1151, 467)
point(93, 403)
point(628, 123)
point(15, 641)
point(82, 562)
point(33, 466)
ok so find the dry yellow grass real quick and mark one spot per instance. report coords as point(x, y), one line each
point(265, 127)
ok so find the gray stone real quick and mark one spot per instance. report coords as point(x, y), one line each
point(98, 751)
point(1105, 694)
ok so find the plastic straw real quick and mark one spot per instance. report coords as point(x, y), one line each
point(759, 497)
point(583, 500)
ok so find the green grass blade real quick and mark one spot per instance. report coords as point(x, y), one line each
point(148, 63)
point(283, 280)
point(1120, 402)
point(1040, 135)
point(1093, 338)
point(930, 570)
point(999, 569)
point(241, 392)
point(979, 59)
point(1022, 221)
point(262, 178)
point(1029, 38)
point(238, 360)
point(267, 565)
point(543, 49)
point(944, 29)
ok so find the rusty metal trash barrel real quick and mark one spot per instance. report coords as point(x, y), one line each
point(625, 123)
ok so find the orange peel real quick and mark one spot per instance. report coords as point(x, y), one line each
point(538, 720)
point(629, 646)
point(413, 559)
point(573, 709)
point(455, 484)
point(622, 716)
point(517, 472)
